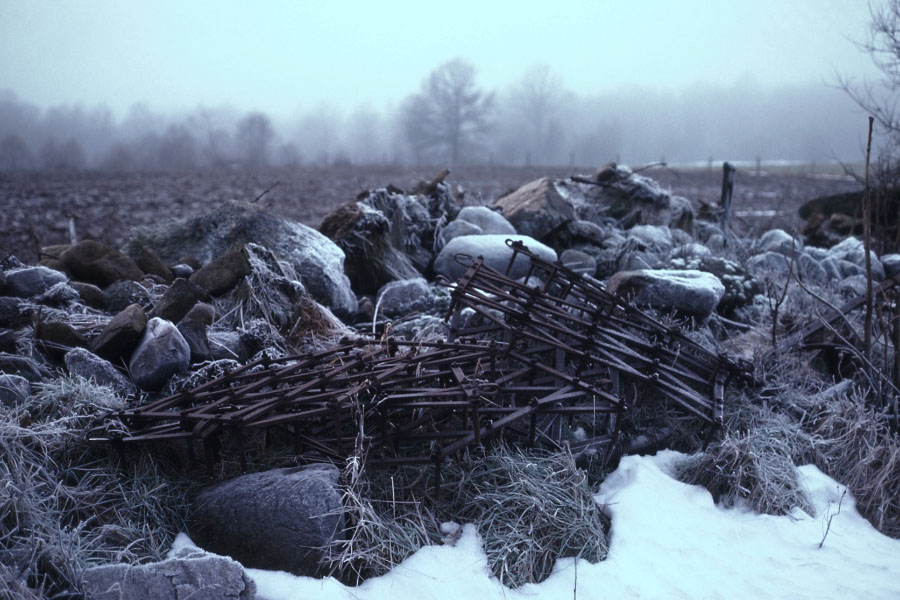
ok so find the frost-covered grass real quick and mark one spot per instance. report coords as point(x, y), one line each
point(65, 504)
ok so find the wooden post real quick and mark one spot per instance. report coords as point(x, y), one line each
point(728, 172)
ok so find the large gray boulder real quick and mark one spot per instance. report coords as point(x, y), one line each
point(316, 260)
point(190, 573)
point(687, 292)
point(495, 252)
point(489, 221)
point(537, 208)
point(31, 281)
point(281, 519)
point(400, 298)
point(854, 251)
point(86, 364)
point(455, 229)
point(163, 352)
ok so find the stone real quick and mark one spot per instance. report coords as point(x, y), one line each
point(222, 273)
point(182, 270)
point(162, 353)
point(578, 261)
point(99, 264)
point(317, 261)
point(2, 280)
point(61, 294)
point(366, 236)
point(14, 389)
point(778, 240)
point(227, 345)
point(891, 264)
point(812, 270)
point(537, 208)
point(121, 294)
point(14, 312)
point(194, 333)
point(177, 300)
point(23, 366)
point(629, 198)
point(89, 294)
point(56, 338)
point(281, 519)
point(150, 262)
point(489, 221)
point(31, 281)
point(8, 341)
point(88, 365)
point(188, 573)
point(769, 265)
point(688, 292)
point(652, 238)
point(853, 286)
point(495, 252)
point(854, 251)
point(400, 298)
point(455, 229)
point(202, 313)
point(121, 335)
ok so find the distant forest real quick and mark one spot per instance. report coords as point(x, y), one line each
point(450, 120)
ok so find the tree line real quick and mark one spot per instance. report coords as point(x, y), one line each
point(451, 119)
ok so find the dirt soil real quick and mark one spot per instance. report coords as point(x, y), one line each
point(35, 207)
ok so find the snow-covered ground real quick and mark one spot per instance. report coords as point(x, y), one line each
point(669, 540)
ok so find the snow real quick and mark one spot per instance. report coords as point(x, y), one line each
point(668, 540)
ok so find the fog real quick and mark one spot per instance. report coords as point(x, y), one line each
point(106, 85)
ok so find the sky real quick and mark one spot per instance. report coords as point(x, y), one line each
point(285, 56)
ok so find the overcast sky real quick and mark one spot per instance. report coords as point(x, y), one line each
point(281, 56)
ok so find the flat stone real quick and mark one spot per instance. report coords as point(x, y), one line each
point(88, 365)
point(495, 252)
point(162, 353)
point(687, 292)
point(31, 281)
point(223, 273)
point(121, 335)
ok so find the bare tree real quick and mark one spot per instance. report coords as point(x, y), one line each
point(177, 149)
point(65, 156)
point(254, 136)
point(538, 97)
point(449, 114)
point(13, 152)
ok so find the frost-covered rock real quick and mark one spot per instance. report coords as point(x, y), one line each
point(121, 335)
point(86, 364)
point(578, 261)
point(121, 294)
point(778, 240)
point(891, 264)
point(31, 281)
point(280, 519)
point(489, 221)
point(495, 252)
point(537, 208)
point(455, 229)
point(687, 292)
point(854, 251)
point(317, 261)
point(655, 238)
point(400, 298)
point(769, 265)
point(61, 294)
point(162, 353)
point(189, 573)
point(23, 366)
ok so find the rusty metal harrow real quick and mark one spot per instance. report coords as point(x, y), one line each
point(527, 357)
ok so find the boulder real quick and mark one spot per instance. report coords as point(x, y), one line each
point(400, 298)
point(891, 264)
point(56, 338)
point(854, 251)
point(121, 294)
point(14, 389)
point(31, 281)
point(687, 292)
point(455, 229)
point(23, 366)
point(495, 252)
point(194, 333)
point(365, 235)
point(778, 240)
point(317, 261)
point(280, 519)
point(222, 273)
point(227, 345)
point(89, 294)
point(150, 262)
point(631, 199)
point(537, 208)
point(489, 221)
point(178, 299)
point(769, 265)
point(99, 264)
point(88, 365)
point(61, 294)
point(163, 352)
point(121, 335)
point(652, 238)
point(202, 313)
point(188, 573)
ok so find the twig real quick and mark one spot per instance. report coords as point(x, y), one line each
point(867, 236)
point(832, 516)
point(266, 191)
